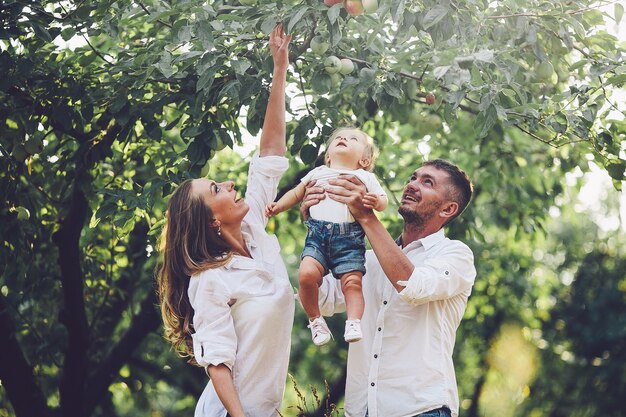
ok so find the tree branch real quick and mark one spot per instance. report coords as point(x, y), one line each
point(144, 322)
point(73, 314)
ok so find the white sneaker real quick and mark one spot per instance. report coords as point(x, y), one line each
point(320, 333)
point(353, 331)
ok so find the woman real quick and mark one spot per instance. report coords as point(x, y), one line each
point(224, 292)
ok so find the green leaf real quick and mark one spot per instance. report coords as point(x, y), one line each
point(240, 66)
point(397, 10)
point(617, 80)
point(268, 24)
point(296, 18)
point(192, 131)
point(333, 13)
point(41, 32)
point(367, 77)
point(206, 79)
point(619, 12)
point(616, 170)
point(308, 153)
point(485, 121)
point(321, 82)
point(434, 16)
point(68, 33)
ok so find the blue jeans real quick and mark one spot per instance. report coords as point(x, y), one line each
point(338, 247)
point(439, 412)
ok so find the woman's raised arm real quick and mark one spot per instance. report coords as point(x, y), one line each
point(274, 132)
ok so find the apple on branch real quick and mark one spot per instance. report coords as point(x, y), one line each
point(332, 64)
point(319, 45)
point(370, 6)
point(353, 7)
point(347, 66)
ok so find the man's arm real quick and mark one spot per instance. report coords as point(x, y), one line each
point(394, 262)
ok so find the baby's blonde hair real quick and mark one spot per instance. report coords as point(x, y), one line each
point(371, 151)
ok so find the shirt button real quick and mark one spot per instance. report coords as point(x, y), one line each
point(380, 328)
point(385, 302)
point(372, 384)
point(447, 272)
point(375, 356)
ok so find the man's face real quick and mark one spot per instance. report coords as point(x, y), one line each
point(424, 195)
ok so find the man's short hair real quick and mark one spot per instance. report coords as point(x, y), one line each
point(462, 187)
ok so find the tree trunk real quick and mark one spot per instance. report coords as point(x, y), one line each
point(16, 374)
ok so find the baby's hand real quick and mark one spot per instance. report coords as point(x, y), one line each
point(270, 209)
point(370, 200)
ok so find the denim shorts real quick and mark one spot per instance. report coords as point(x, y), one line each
point(339, 247)
point(439, 412)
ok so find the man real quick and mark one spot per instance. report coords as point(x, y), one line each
point(415, 289)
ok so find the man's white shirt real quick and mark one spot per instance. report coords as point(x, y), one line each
point(403, 365)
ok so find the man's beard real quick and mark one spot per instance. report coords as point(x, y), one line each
point(416, 218)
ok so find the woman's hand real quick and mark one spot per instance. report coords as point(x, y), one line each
point(273, 135)
point(279, 46)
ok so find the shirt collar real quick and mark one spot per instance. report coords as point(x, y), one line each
point(427, 242)
point(241, 262)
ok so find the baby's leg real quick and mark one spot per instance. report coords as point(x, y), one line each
point(309, 279)
point(353, 293)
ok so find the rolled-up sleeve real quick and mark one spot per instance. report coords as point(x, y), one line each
point(214, 340)
point(263, 178)
point(448, 274)
point(331, 298)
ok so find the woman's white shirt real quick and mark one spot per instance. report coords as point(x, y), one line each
point(243, 311)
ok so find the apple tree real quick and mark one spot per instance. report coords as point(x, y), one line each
point(106, 105)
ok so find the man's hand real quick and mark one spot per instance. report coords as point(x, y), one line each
point(349, 189)
point(312, 196)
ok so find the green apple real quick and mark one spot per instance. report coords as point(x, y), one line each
point(319, 45)
point(431, 122)
point(347, 66)
point(544, 71)
point(22, 213)
point(370, 6)
point(332, 64)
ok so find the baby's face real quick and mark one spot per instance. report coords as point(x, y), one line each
point(348, 145)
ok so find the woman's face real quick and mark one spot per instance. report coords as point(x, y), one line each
point(221, 198)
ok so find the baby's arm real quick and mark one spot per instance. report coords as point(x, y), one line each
point(287, 201)
point(375, 201)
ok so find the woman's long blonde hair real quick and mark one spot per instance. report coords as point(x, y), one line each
point(189, 244)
